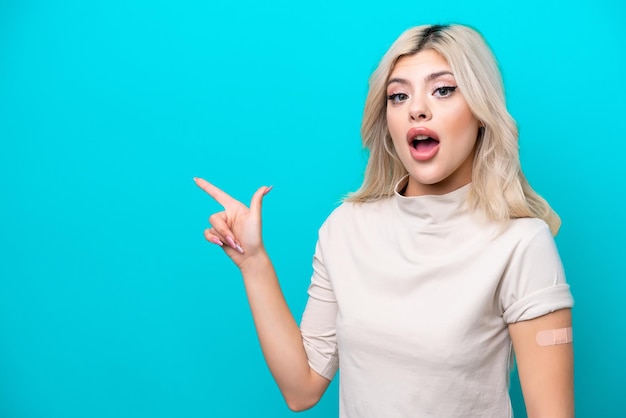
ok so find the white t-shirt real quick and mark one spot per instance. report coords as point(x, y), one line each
point(411, 297)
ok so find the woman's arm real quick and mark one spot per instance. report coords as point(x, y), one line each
point(238, 231)
point(546, 372)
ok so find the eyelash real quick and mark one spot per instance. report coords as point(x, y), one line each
point(450, 88)
point(396, 98)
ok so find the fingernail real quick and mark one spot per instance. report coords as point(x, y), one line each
point(234, 245)
point(268, 190)
point(217, 241)
point(231, 242)
point(195, 179)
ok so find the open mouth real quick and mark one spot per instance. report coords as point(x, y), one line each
point(423, 143)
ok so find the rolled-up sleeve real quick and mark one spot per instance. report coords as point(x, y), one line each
point(534, 282)
point(318, 321)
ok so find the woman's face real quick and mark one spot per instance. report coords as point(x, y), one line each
point(433, 130)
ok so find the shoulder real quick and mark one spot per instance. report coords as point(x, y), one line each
point(523, 239)
point(352, 215)
point(526, 229)
point(352, 210)
point(532, 240)
point(533, 283)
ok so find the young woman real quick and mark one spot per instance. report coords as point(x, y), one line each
point(438, 269)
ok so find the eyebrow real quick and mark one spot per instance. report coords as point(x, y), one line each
point(428, 78)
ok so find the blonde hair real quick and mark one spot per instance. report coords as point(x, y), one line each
point(499, 188)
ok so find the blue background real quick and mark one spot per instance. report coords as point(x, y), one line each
point(111, 302)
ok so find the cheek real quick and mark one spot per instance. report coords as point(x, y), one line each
point(393, 123)
point(395, 131)
point(464, 122)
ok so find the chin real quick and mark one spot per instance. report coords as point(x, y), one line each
point(427, 180)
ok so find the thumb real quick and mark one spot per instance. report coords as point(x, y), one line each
point(257, 200)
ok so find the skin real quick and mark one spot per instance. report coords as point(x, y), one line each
point(419, 99)
point(546, 373)
point(237, 229)
point(416, 98)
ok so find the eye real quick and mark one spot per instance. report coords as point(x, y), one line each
point(444, 91)
point(397, 97)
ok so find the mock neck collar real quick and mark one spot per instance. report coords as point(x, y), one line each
point(432, 210)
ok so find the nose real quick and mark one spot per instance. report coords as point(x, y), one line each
point(419, 110)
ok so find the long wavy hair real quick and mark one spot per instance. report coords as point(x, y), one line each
point(499, 188)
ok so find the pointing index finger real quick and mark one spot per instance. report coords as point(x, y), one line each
point(216, 193)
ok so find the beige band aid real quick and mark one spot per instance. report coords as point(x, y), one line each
point(555, 336)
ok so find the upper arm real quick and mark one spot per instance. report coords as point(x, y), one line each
point(318, 330)
point(546, 372)
point(318, 323)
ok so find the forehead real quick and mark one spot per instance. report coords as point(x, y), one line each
point(420, 64)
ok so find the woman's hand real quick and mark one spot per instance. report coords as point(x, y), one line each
point(237, 229)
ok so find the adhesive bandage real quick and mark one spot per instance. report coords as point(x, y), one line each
point(555, 336)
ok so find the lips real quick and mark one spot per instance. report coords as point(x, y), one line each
point(423, 143)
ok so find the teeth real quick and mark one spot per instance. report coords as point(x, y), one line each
point(421, 137)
